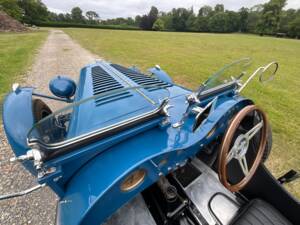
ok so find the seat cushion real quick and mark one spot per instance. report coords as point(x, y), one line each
point(259, 212)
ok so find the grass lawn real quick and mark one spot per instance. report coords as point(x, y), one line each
point(17, 51)
point(191, 57)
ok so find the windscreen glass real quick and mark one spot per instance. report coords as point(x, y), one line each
point(228, 73)
point(97, 113)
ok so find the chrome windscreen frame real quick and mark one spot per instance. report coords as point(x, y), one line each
point(159, 111)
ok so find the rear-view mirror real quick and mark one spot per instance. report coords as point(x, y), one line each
point(268, 72)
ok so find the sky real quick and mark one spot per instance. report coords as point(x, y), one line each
point(130, 8)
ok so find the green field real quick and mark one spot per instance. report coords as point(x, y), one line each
point(17, 51)
point(191, 57)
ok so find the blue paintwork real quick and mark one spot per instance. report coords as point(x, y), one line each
point(88, 179)
point(97, 117)
point(86, 198)
point(62, 87)
point(17, 120)
point(161, 74)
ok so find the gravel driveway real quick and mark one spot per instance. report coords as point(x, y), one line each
point(59, 55)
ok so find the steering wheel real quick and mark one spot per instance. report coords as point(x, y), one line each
point(238, 149)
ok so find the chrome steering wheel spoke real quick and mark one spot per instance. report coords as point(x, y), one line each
point(231, 154)
point(251, 133)
point(244, 165)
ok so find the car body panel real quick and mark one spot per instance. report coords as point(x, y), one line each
point(86, 196)
point(17, 120)
point(87, 178)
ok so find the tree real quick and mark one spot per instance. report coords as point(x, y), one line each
point(61, 17)
point(52, 16)
point(33, 11)
point(218, 22)
point(12, 8)
point(232, 21)
point(285, 20)
point(152, 16)
point(92, 16)
point(294, 27)
point(201, 22)
point(144, 24)
point(180, 17)
point(76, 14)
point(191, 23)
point(167, 19)
point(253, 18)
point(137, 20)
point(205, 11)
point(244, 14)
point(219, 8)
point(270, 18)
point(147, 21)
point(68, 17)
point(158, 25)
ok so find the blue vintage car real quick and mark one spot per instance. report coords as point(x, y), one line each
point(130, 148)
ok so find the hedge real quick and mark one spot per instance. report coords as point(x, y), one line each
point(76, 25)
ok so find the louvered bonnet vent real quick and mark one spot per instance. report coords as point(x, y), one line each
point(141, 79)
point(103, 82)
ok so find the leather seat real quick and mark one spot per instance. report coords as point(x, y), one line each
point(259, 212)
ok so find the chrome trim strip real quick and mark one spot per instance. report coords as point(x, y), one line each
point(217, 88)
point(86, 100)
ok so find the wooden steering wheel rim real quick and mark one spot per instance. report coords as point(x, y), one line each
point(226, 143)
